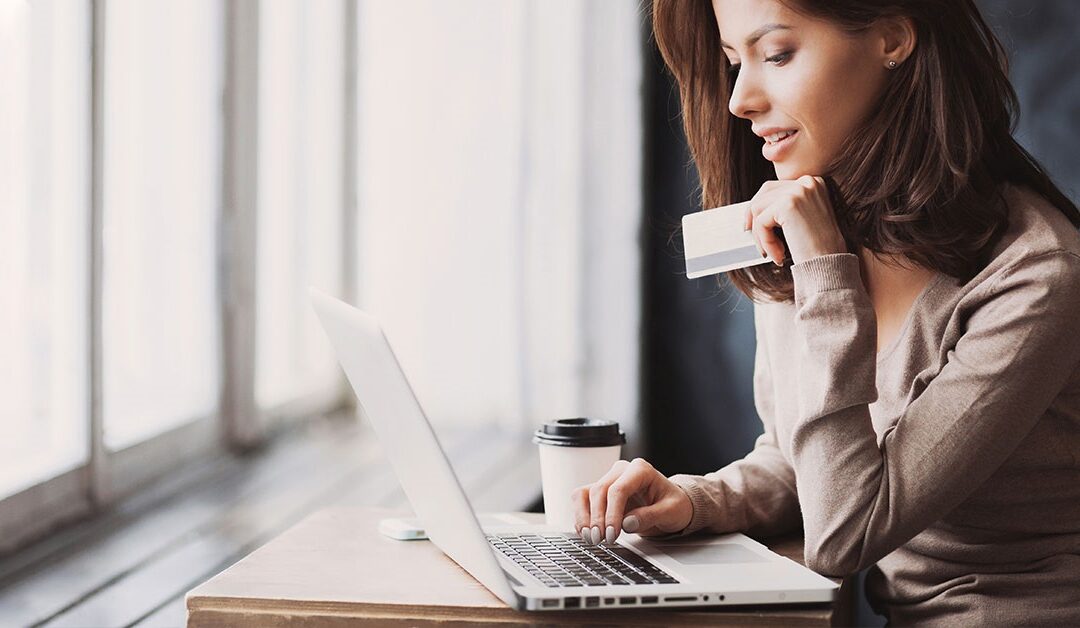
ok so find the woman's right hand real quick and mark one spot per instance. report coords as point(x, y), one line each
point(632, 496)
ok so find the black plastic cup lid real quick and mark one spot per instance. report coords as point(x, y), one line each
point(579, 432)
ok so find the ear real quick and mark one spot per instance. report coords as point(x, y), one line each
point(896, 37)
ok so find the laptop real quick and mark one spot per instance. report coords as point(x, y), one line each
point(536, 567)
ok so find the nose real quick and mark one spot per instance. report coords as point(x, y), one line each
point(747, 98)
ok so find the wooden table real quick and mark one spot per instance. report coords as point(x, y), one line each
point(335, 569)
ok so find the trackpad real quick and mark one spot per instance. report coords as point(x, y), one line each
point(709, 553)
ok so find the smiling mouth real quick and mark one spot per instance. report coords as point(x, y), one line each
point(776, 138)
point(777, 145)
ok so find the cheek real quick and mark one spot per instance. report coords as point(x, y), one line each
point(812, 105)
point(828, 103)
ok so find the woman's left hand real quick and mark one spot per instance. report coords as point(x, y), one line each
point(802, 209)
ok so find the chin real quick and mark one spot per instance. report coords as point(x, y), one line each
point(789, 171)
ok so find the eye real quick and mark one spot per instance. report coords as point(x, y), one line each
point(779, 59)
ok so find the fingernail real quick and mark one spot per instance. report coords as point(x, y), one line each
point(596, 535)
point(609, 535)
point(582, 533)
point(630, 524)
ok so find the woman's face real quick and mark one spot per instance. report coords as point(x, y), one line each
point(802, 74)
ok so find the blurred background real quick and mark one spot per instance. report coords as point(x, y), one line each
point(499, 182)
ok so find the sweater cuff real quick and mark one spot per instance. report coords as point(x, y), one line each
point(698, 500)
point(826, 272)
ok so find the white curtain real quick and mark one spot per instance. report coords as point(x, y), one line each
point(499, 204)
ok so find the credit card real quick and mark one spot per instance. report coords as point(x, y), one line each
point(714, 241)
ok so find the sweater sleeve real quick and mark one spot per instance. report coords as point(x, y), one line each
point(859, 500)
point(757, 493)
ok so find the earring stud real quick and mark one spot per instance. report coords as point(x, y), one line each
point(892, 64)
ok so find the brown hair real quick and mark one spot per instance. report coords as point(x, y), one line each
point(919, 180)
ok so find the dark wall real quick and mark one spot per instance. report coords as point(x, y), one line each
point(1042, 40)
point(697, 388)
point(698, 353)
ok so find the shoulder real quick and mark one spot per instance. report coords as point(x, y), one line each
point(1036, 228)
point(1039, 250)
point(1041, 287)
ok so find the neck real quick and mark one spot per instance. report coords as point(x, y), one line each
point(889, 274)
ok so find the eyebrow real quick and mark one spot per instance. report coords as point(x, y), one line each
point(758, 34)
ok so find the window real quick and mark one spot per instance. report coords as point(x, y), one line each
point(44, 217)
point(175, 175)
point(162, 191)
point(300, 190)
point(118, 147)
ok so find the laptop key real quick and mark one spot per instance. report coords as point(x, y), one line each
point(561, 561)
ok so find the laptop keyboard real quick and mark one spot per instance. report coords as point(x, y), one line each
point(566, 561)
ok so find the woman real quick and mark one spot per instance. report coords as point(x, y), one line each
point(918, 358)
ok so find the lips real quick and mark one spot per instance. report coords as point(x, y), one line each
point(777, 143)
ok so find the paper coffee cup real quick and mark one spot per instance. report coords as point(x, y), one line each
point(573, 453)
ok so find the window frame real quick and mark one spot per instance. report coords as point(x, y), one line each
point(239, 424)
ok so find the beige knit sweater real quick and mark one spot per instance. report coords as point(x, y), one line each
point(950, 461)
